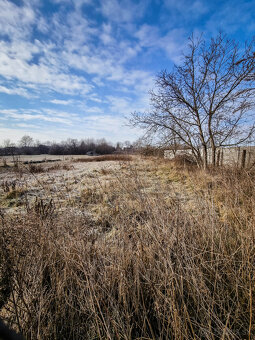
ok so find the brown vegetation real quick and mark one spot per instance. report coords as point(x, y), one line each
point(136, 262)
point(113, 157)
point(35, 169)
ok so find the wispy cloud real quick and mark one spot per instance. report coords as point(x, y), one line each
point(15, 64)
point(172, 43)
point(15, 91)
point(232, 17)
point(124, 11)
point(38, 115)
point(16, 21)
point(61, 102)
point(186, 8)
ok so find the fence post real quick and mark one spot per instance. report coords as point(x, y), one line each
point(249, 157)
point(243, 159)
point(221, 161)
point(218, 158)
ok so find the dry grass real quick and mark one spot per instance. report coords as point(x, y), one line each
point(35, 169)
point(114, 157)
point(12, 189)
point(135, 264)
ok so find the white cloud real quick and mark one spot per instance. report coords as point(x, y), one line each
point(188, 8)
point(61, 102)
point(124, 11)
point(15, 21)
point(18, 67)
point(106, 35)
point(17, 53)
point(40, 115)
point(30, 126)
point(43, 67)
point(173, 42)
point(113, 126)
point(42, 25)
point(15, 91)
point(231, 17)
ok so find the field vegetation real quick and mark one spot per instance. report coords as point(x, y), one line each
point(128, 248)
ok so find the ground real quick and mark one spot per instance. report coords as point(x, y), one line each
point(69, 180)
point(127, 248)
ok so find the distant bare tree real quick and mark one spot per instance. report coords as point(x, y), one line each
point(72, 145)
point(26, 141)
point(207, 101)
point(9, 147)
point(127, 144)
point(7, 143)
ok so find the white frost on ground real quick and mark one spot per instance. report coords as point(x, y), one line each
point(63, 186)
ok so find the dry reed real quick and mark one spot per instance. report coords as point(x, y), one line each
point(145, 267)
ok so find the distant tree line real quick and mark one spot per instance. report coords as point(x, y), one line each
point(28, 146)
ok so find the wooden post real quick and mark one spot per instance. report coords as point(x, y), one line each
point(218, 158)
point(238, 155)
point(243, 159)
point(249, 157)
point(221, 161)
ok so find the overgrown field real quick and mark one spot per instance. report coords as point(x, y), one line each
point(128, 249)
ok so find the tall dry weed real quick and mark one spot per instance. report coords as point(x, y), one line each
point(158, 271)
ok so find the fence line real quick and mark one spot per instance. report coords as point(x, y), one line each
point(241, 156)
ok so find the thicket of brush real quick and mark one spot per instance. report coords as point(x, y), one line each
point(147, 268)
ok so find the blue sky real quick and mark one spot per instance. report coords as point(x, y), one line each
point(77, 68)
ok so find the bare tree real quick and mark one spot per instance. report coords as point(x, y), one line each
point(207, 101)
point(26, 141)
point(7, 143)
point(9, 147)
